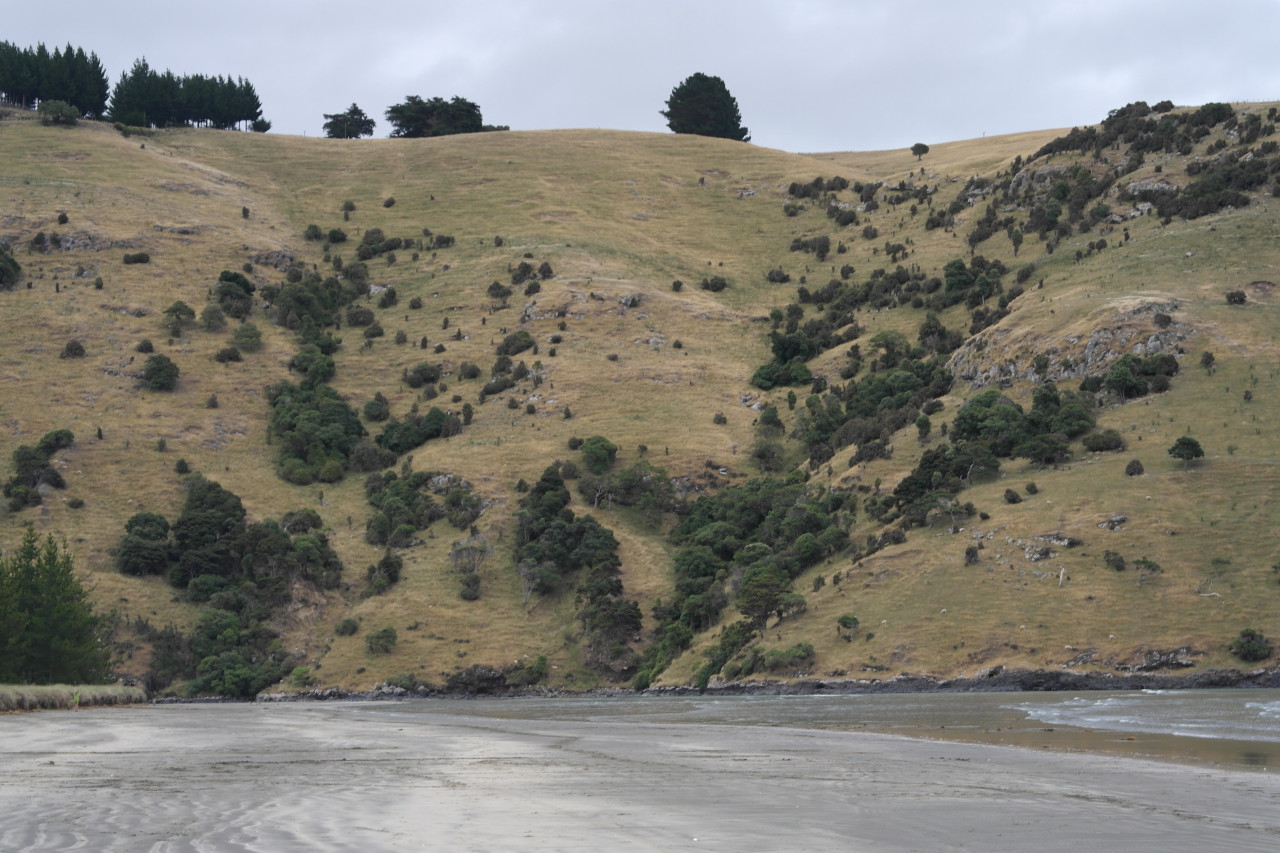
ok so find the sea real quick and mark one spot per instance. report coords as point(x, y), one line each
point(1236, 728)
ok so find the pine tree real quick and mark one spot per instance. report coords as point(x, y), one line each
point(702, 105)
point(48, 632)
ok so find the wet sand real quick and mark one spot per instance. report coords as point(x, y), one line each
point(364, 777)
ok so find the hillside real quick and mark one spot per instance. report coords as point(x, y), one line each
point(665, 375)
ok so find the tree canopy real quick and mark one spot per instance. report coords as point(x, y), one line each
point(144, 97)
point(67, 74)
point(415, 117)
point(1186, 448)
point(702, 105)
point(350, 124)
point(48, 632)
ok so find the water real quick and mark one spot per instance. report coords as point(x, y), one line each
point(1229, 727)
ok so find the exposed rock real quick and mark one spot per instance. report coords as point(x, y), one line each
point(996, 358)
point(477, 680)
point(1059, 540)
point(280, 259)
point(1151, 660)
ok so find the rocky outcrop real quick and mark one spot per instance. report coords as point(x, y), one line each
point(998, 358)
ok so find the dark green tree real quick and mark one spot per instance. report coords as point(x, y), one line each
point(159, 373)
point(1186, 448)
point(351, 124)
point(48, 632)
point(702, 105)
point(415, 117)
point(10, 270)
point(919, 149)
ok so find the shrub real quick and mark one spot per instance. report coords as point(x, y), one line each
point(1236, 297)
point(1114, 561)
point(337, 235)
point(313, 233)
point(715, 284)
point(515, 343)
point(227, 354)
point(213, 318)
point(598, 454)
point(1012, 497)
point(159, 373)
point(1134, 468)
point(346, 628)
point(247, 337)
point(137, 258)
point(377, 409)
point(1100, 442)
point(381, 642)
point(72, 349)
point(389, 202)
point(57, 112)
point(971, 555)
point(1251, 646)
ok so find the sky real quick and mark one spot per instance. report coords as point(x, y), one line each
point(808, 75)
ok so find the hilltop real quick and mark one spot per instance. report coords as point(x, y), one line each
point(1043, 256)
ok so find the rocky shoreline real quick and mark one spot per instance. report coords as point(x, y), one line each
point(994, 680)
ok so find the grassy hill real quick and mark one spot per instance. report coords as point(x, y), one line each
point(619, 217)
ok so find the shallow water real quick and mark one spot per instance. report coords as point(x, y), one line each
point(1238, 728)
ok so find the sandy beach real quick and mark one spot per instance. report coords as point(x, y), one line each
point(367, 777)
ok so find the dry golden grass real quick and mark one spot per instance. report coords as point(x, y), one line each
point(620, 215)
point(62, 697)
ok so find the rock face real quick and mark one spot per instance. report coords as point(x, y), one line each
point(997, 358)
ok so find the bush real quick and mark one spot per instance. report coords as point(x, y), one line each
point(227, 354)
point(1012, 497)
point(346, 628)
point(359, 315)
point(1236, 297)
point(72, 349)
point(313, 233)
point(598, 454)
point(159, 373)
point(1251, 646)
point(145, 346)
point(389, 202)
point(57, 112)
point(1100, 442)
point(377, 409)
point(137, 258)
point(1134, 468)
point(715, 284)
point(381, 642)
point(1114, 561)
point(247, 337)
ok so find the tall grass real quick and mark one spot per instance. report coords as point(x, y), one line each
point(47, 697)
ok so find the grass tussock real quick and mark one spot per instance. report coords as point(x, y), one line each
point(63, 697)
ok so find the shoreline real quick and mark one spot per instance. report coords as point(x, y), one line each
point(996, 680)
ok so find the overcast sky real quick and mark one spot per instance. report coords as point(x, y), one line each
point(809, 75)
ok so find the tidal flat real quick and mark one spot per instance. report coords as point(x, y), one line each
point(466, 776)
